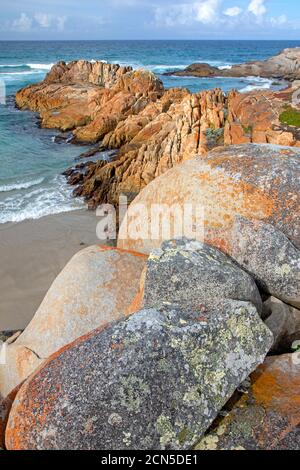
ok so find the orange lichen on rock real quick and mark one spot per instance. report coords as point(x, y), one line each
point(230, 182)
point(276, 386)
point(15, 435)
point(267, 416)
point(254, 117)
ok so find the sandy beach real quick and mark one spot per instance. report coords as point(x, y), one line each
point(32, 253)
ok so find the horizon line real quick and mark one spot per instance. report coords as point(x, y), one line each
point(150, 40)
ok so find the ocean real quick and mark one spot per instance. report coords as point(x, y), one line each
point(31, 162)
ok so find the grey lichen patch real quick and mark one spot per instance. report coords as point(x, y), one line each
point(163, 365)
point(193, 396)
point(133, 392)
point(115, 419)
point(127, 439)
point(208, 443)
point(166, 432)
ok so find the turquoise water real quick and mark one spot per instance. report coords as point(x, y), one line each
point(31, 162)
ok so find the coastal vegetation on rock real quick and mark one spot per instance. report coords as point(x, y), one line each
point(290, 116)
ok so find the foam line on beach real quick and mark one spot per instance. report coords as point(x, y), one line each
point(24, 185)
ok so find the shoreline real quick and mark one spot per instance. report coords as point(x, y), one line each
point(32, 254)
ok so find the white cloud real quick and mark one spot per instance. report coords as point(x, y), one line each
point(23, 23)
point(47, 21)
point(43, 19)
point(38, 20)
point(203, 11)
point(233, 11)
point(279, 21)
point(206, 11)
point(60, 22)
point(257, 7)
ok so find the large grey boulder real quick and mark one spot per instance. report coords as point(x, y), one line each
point(154, 381)
point(270, 257)
point(191, 273)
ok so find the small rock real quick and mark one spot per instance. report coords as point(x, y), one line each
point(284, 322)
point(10, 336)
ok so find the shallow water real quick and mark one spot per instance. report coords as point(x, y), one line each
point(31, 162)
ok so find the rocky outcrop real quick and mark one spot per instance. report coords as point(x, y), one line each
point(96, 287)
point(177, 127)
point(89, 99)
point(258, 117)
point(200, 70)
point(152, 128)
point(154, 381)
point(257, 183)
point(267, 417)
point(285, 65)
point(164, 134)
point(84, 72)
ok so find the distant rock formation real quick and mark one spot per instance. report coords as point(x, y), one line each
point(285, 65)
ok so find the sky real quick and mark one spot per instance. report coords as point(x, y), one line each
point(149, 19)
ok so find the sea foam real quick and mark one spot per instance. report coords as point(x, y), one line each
point(54, 199)
point(24, 185)
point(257, 83)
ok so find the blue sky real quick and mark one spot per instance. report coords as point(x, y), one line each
point(149, 19)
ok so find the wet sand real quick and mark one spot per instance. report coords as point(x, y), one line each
point(32, 253)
